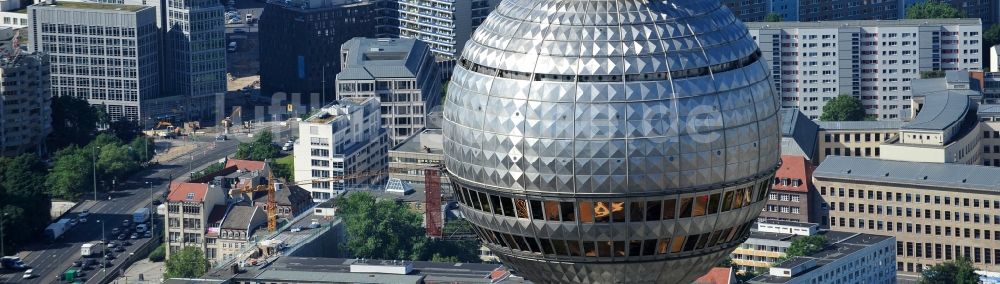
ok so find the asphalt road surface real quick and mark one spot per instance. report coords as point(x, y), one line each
point(49, 260)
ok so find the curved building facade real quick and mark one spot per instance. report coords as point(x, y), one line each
point(611, 141)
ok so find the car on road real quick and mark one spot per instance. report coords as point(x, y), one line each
point(122, 237)
point(126, 223)
point(77, 263)
point(107, 263)
point(126, 243)
point(115, 231)
point(28, 274)
point(147, 234)
point(72, 222)
point(109, 256)
point(135, 236)
point(296, 229)
point(83, 220)
point(156, 202)
point(112, 244)
point(119, 249)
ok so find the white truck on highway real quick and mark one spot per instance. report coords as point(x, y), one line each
point(140, 215)
point(55, 230)
point(90, 249)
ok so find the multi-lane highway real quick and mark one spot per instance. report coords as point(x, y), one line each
point(51, 259)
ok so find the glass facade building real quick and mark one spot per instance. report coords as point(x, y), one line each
point(621, 141)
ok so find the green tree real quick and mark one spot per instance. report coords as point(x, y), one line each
point(959, 271)
point(773, 17)
point(125, 130)
point(260, 149)
point(932, 9)
point(71, 174)
point(806, 245)
point(725, 262)
point(208, 170)
point(23, 200)
point(141, 142)
point(74, 122)
point(932, 74)
point(117, 161)
point(188, 262)
point(843, 108)
point(158, 254)
point(380, 229)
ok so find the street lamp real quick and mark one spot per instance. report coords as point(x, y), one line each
point(152, 215)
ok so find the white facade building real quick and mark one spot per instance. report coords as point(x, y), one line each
point(345, 139)
point(444, 24)
point(813, 62)
point(861, 258)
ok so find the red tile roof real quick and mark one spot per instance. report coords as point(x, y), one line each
point(245, 165)
point(718, 275)
point(179, 192)
point(792, 168)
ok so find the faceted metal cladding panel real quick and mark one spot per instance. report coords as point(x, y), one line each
point(566, 100)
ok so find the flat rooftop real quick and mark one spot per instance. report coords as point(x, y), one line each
point(839, 248)
point(935, 175)
point(427, 141)
point(94, 6)
point(865, 23)
point(317, 270)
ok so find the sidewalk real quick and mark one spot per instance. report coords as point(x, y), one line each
point(152, 272)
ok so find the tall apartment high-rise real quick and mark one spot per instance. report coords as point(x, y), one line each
point(104, 53)
point(345, 139)
point(813, 62)
point(749, 10)
point(299, 40)
point(25, 99)
point(402, 73)
point(445, 25)
point(194, 54)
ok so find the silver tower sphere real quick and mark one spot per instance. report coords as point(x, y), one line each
point(611, 141)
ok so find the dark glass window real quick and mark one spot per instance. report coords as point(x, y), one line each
point(649, 247)
point(589, 249)
point(508, 206)
point(546, 246)
point(713, 203)
point(653, 210)
point(500, 239)
point(574, 248)
point(551, 210)
point(738, 199)
point(510, 242)
point(521, 242)
point(536, 210)
point(559, 246)
point(669, 211)
point(484, 202)
point(586, 212)
point(635, 248)
point(638, 210)
point(568, 212)
point(702, 240)
point(533, 244)
point(686, 207)
point(618, 211)
point(619, 248)
point(604, 248)
point(474, 200)
point(727, 201)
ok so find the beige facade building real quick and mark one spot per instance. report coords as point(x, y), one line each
point(235, 231)
point(193, 210)
point(25, 100)
point(938, 212)
point(854, 138)
point(409, 160)
point(989, 125)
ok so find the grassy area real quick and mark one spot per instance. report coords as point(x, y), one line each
point(284, 167)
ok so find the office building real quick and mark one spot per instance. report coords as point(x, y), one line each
point(855, 138)
point(944, 128)
point(849, 258)
point(104, 53)
point(937, 212)
point(322, 26)
point(749, 10)
point(792, 194)
point(194, 55)
point(770, 239)
point(445, 25)
point(813, 62)
point(560, 169)
point(192, 210)
point(409, 160)
point(400, 72)
point(989, 115)
point(837, 10)
point(25, 99)
point(344, 140)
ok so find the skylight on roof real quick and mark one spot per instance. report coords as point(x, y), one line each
point(190, 196)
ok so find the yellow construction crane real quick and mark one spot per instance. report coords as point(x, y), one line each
point(272, 205)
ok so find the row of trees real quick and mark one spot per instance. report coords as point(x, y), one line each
point(73, 167)
point(384, 229)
